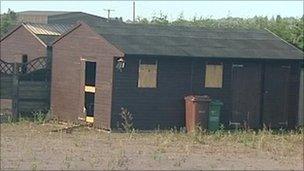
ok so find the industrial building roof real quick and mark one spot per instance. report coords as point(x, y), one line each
point(44, 13)
point(73, 17)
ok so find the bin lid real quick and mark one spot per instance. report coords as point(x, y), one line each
point(216, 102)
point(198, 98)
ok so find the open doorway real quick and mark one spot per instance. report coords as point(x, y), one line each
point(89, 97)
point(24, 60)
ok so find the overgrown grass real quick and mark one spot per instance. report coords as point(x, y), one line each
point(283, 143)
point(127, 120)
point(175, 145)
point(38, 117)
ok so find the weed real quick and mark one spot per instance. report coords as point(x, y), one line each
point(157, 156)
point(127, 120)
point(39, 117)
point(9, 119)
point(6, 118)
point(34, 163)
point(34, 166)
point(180, 161)
point(123, 159)
point(198, 135)
point(119, 159)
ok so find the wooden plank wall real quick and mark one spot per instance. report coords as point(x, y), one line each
point(30, 95)
point(33, 96)
point(6, 87)
point(164, 106)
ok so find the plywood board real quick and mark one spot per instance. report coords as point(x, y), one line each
point(214, 76)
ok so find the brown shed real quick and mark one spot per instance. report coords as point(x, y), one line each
point(71, 53)
point(30, 40)
point(25, 44)
point(150, 69)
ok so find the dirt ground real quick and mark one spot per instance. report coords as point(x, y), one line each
point(30, 146)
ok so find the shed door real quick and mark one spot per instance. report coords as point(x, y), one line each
point(246, 94)
point(275, 108)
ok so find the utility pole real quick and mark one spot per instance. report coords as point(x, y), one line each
point(109, 11)
point(134, 11)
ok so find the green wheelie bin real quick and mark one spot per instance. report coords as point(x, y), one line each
point(214, 115)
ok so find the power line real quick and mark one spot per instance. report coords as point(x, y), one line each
point(133, 11)
point(109, 12)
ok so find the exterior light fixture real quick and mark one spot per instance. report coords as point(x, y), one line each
point(120, 64)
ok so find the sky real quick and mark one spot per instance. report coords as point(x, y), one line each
point(210, 9)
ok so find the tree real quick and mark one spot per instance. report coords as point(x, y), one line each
point(181, 21)
point(8, 20)
point(288, 28)
point(160, 19)
point(298, 33)
point(142, 20)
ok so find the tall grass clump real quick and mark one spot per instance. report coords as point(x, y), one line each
point(40, 117)
point(127, 120)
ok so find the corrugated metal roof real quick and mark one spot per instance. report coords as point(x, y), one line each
point(47, 29)
point(47, 39)
point(138, 39)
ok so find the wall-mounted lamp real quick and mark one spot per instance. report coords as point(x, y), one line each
point(120, 64)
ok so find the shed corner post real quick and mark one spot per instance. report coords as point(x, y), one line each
point(49, 56)
point(15, 96)
point(301, 98)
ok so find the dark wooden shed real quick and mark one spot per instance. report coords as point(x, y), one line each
point(150, 69)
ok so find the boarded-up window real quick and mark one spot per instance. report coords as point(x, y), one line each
point(214, 76)
point(147, 74)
